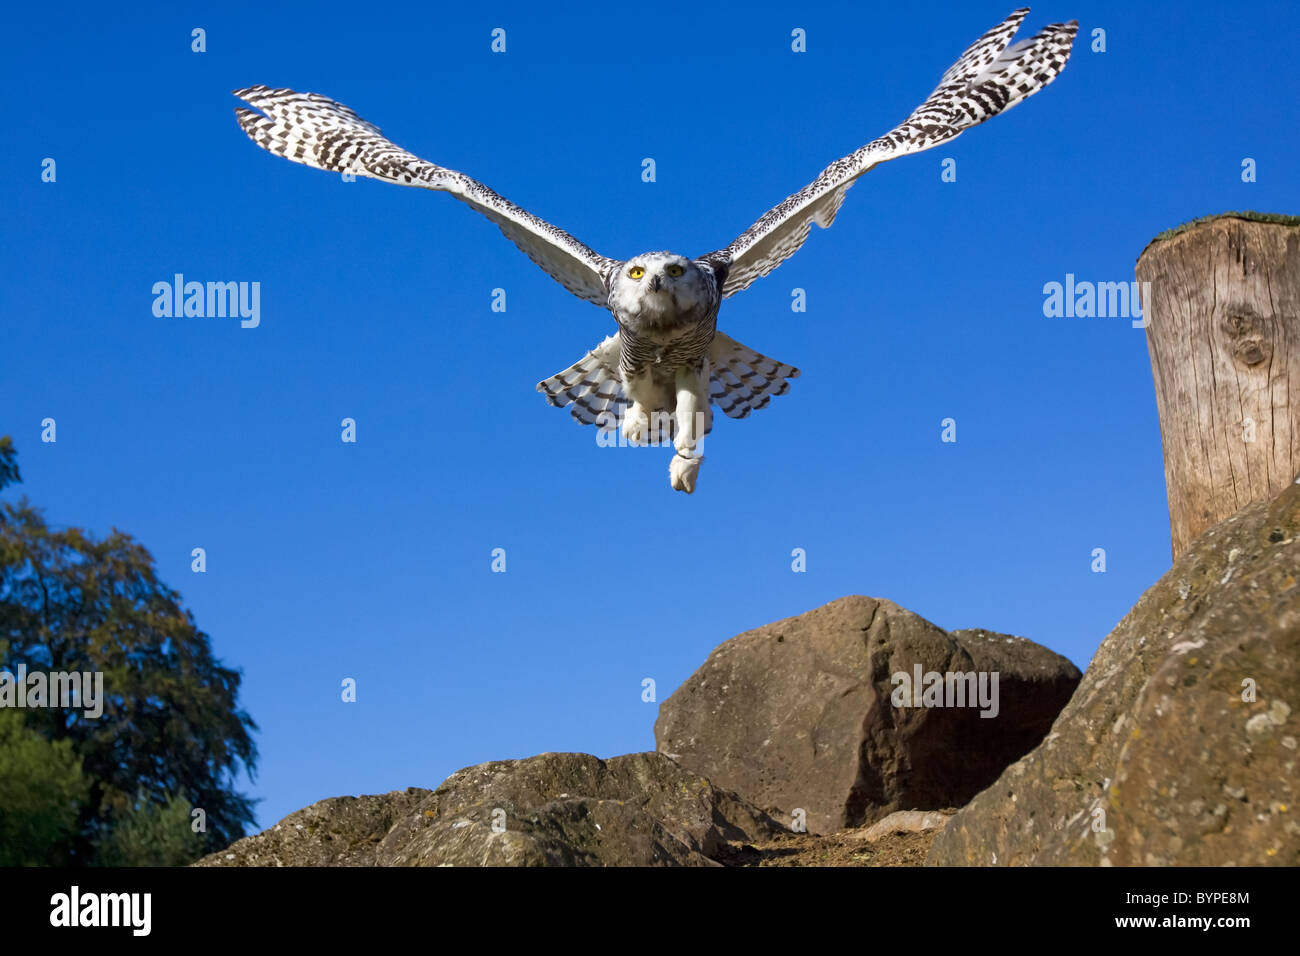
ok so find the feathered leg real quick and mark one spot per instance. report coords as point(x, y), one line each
point(694, 421)
point(640, 388)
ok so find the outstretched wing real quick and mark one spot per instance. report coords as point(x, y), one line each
point(314, 130)
point(989, 78)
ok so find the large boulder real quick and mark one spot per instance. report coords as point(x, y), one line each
point(1180, 745)
point(550, 810)
point(339, 831)
point(801, 715)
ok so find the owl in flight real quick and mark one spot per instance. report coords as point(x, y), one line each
point(659, 374)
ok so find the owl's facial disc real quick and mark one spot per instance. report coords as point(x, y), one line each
point(658, 286)
point(658, 271)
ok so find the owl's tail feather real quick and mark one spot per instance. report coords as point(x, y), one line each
point(592, 386)
point(594, 389)
point(743, 380)
point(740, 381)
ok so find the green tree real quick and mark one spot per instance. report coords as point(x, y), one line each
point(171, 728)
point(8, 462)
point(42, 794)
point(152, 834)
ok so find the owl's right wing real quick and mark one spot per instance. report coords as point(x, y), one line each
point(989, 78)
point(316, 131)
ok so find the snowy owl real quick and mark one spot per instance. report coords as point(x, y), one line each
point(657, 377)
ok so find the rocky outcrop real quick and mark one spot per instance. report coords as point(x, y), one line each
point(803, 715)
point(339, 831)
point(1180, 745)
point(906, 821)
point(549, 810)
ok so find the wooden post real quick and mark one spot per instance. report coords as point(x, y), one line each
point(1223, 332)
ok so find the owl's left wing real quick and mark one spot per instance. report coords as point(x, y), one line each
point(990, 77)
point(316, 131)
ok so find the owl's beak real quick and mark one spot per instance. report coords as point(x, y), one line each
point(655, 282)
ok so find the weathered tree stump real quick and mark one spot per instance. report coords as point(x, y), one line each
point(1223, 332)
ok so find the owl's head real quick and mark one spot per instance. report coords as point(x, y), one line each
point(658, 287)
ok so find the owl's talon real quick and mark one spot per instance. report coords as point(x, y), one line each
point(636, 425)
point(683, 472)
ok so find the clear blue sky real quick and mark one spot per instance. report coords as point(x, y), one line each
point(329, 560)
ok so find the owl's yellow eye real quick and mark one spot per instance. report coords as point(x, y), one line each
point(674, 270)
point(636, 272)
